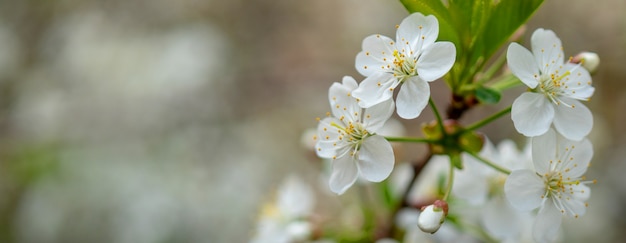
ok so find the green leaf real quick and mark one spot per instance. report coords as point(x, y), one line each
point(480, 15)
point(505, 18)
point(487, 95)
point(447, 30)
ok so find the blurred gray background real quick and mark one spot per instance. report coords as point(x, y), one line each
point(172, 121)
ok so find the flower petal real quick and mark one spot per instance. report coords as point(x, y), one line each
point(375, 89)
point(376, 55)
point(511, 157)
point(417, 32)
point(412, 98)
point(436, 60)
point(376, 158)
point(545, 151)
point(341, 101)
point(573, 123)
point(577, 160)
point(547, 49)
point(344, 174)
point(524, 189)
point(581, 192)
point(470, 186)
point(523, 65)
point(578, 82)
point(572, 206)
point(374, 118)
point(532, 114)
point(547, 223)
point(328, 138)
point(500, 219)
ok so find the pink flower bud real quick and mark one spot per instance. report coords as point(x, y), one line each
point(589, 60)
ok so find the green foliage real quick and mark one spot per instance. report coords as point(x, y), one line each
point(487, 95)
point(478, 28)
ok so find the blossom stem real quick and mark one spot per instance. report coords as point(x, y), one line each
point(410, 140)
point(488, 119)
point(489, 163)
point(450, 181)
point(437, 115)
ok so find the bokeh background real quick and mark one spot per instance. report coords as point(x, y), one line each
point(173, 121)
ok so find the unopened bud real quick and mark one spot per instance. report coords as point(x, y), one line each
point(589, 60)
point(432, 216)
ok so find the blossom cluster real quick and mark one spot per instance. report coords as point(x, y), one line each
point(552, 114)
point(508, 184)
point(348, 135)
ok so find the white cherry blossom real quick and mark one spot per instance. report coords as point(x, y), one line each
point(482, 186)
point(557, 87)
point(412, 60)
point(286, 219)
point(348, 137)
point(556, 185)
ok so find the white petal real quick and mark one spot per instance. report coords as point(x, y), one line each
point(532, 114)
point(344, 174)
point(580, 192)
point(413, 28)
point(547, 223)
point(510, 156)
point(327, 138)
point(577, 160)
point(523, 189)
point(500, 219)
point(545, 149)
point(578, 82)
point(573, 123)
point(573, 206)
point(436, 60)
point(470, 186)
point(547, 49)
point(375, 89)
point(376, 158)
point(374, 118)
point(341, 101)
point(523, 65)
point(412, 98)
point(376, 55)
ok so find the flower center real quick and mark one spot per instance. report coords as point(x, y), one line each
point(403, 66)
point(496, 185)
point(553, 86)
point(555, 184)
point(354, 133)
